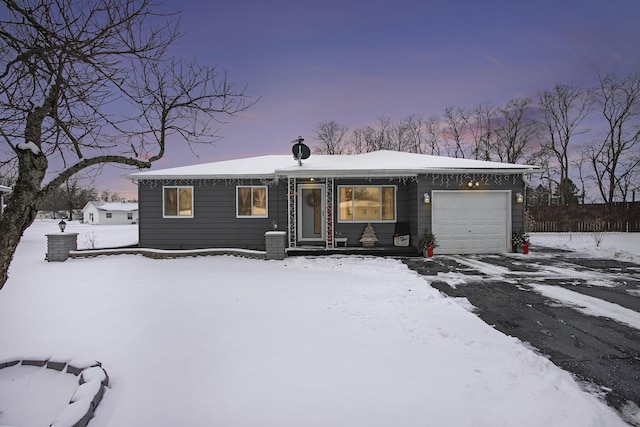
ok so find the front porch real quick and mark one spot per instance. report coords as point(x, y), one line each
point(331, 215)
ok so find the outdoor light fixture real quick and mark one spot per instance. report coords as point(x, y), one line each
point(519, 198)
point(427, 199)
point(62, 225)
point(472, 184)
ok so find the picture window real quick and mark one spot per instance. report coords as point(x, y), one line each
point(251, 202)
point(178, 202)
point(369, 203)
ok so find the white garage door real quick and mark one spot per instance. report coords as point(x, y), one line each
point(467, 222)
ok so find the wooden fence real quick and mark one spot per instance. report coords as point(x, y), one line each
point(616, 217)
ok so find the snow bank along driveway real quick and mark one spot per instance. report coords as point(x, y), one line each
point(582, 312)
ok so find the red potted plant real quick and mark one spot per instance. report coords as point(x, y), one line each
point(428, 243)
point(525, 244)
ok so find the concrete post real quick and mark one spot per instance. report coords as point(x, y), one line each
point(276, 244)
point(59, 245)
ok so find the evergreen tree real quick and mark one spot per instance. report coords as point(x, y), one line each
point(538, 196)
point(567, 193)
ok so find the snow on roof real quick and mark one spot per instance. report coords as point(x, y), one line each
point(115, 206)
point(377, 163)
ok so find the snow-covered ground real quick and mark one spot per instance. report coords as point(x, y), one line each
point(301, 342)
point(621, 246)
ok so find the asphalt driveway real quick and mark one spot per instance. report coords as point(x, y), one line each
point(603, 353)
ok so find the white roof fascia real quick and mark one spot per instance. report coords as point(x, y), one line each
point(344, 173)
point(318, 173)
point(504, 171)
point(398, 173)
point(199, 176)
point(5, 189)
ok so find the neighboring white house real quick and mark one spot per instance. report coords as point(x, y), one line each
point(3, 192)
point(96, 212)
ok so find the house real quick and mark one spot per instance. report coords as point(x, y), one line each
point(4, 192)
point(471, 206)
point(96, 212)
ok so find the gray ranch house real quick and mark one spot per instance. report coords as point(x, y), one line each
point(328, 201)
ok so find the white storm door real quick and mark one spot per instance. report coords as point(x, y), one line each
point(311, 206)
point(471, 222)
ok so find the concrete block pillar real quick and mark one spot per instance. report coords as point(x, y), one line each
point(276, 241)
point(59, 245)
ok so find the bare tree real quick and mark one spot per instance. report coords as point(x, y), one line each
point(356, 143)
point(85, 83)
point(361, 139)
point(75, 196)
point(482, 128)
point(563, 110)
point(332, 138)
point(456, 121)
point(432, 132)
point(413, 133)
point(72, 195)
point(111, 196)
point(382, 139)
point(516, 131)
point(615, 159)
point(400, 136)
point(579, 163)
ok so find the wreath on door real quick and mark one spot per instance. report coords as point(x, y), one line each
point(313, 199)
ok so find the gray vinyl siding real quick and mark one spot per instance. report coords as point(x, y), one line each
point(214, 222)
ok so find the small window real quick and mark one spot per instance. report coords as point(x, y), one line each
point(251, 202)
point(178, 202)
point(109, 215)
point(372, 203)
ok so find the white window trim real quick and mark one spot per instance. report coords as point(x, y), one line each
point(266, 192)
point(177, 201)
point(379, 221)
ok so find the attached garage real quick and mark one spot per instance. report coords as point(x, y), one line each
point(471, 221)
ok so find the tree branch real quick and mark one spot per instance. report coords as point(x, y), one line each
point(86, 163)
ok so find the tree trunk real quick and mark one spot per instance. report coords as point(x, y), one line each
point(22, 208)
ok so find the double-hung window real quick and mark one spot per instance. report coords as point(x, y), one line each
point(367, 203)
point(251, 201)
point(177, 202)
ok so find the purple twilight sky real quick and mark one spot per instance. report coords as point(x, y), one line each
point(353, 61)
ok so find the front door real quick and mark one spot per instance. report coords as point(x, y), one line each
point(311, 204)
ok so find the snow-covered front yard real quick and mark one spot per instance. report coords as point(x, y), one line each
point(228, 341)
